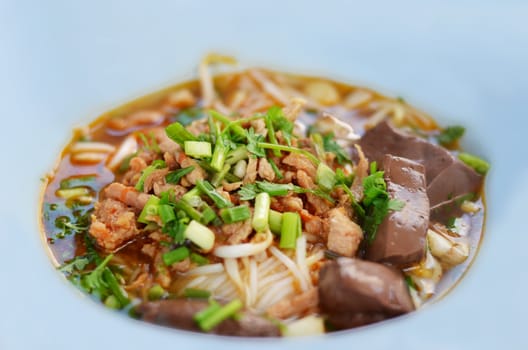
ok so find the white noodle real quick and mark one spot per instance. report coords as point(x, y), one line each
point(231, 267)
point(357, 98)
point(291, 266)
point(269, 87)
point(300, 255)
point(88, 157)
point(377, 117)
point(270, 263)
point(280, 295)
point(244, 249)
point(209, 96)
point(253, 281)
point(312, 259)
point(126, 148)
point(96, 147)
point(206, 269)
point(264, 282)
point(197, 281)
point(268, 295)
point(216, 282)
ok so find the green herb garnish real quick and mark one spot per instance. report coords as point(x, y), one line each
point(450, 135)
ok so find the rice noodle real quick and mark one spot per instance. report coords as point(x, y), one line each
point(253, 281)
point(268, 265)
point(292, 267)
point(273, 278)
point(197, 281)
point(377, 117)
point(126, 148)
point(209, 95)
point(206, 269)
point(269, 87)
point(244, 249)
point(282, 288)
point(300, 255)
point(96, 147)
point(88, 157)
point(312, 259)
point(231, 267)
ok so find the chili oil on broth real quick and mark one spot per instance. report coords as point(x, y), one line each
point(66, 242)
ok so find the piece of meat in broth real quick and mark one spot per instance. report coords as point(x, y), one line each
point(179, 313)
point(113, 224)
point(447, 177)
point(401, 236)
point(354, 292)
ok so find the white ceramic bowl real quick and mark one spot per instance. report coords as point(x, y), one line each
point(64, 63)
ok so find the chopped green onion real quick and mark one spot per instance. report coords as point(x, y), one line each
point(208, 189)
point(325, 176)
point(189, 210)
point(236, 155)
point(166, 213)
point(207, 167)
point(261, 212)
point(341, 178)
point(157, 164)
point(480, 165)
point(237, 129)
point(196, 293)
point(193, 197)
point(198, 149)
point(450, 134)
point(174, 177)
point(289, 230)
point(150, 209)
point(114, 286)
point(276, 170)
point(179, 134)
point(112, 302)
point(199, 259)
point(240, 169)
point(207, 312)
point(219, 176)
point(176, 255)
point(200, 235)
point(235, 214)
point(208, 214)
point(68, 193)
point(215, 318)
point(271, 135)
point(155, 292)
point(275, 221)
point(77, 181)
point(219, 154)
point(305, 153)
point(274, 189)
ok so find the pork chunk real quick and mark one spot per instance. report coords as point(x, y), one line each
point(344, 235)
point(113, 224)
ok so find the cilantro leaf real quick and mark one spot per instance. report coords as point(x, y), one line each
point(376, 203)
point(450, 134)
point(280, 122)
point(175, 229)
point(248, 192)
point(174, 176)
point(253, 140)
point(330, 145)
point(78, 263)
point(94, 281)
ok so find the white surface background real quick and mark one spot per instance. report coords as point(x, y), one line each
point(63, 62)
